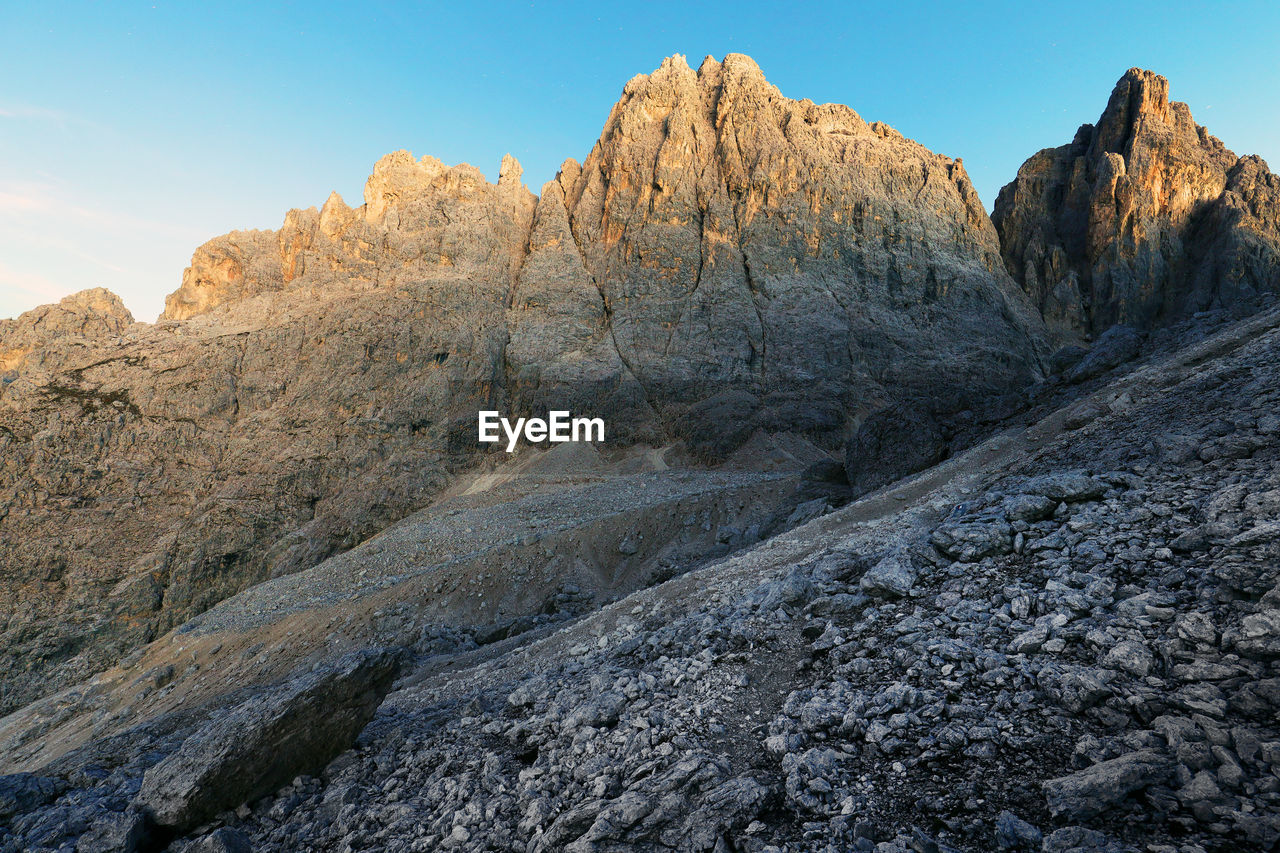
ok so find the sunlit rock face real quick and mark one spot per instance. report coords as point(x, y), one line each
point(724, 261)
point(89, 314)
point(1142, 218)
point(744, 240)
point(305, 388)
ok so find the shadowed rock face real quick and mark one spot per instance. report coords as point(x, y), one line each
point(271, 738)
point(1143, 218)
point(306, 387)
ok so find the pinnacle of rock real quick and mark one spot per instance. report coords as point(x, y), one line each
point(1139, 97)
point(1145, 217)
point(334, 215)
point(510, 172)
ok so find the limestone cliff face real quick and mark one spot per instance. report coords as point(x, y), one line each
point(745, 241)
point(80, 317)
point(1143, 217)
point(719, 238)
point(561, 352)
point(420, 220)
point(725, 259)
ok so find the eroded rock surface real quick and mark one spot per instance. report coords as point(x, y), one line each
point(1143, 217)
point(308, 386)
point(1090, 689)
point(790, 250)
point(44, 332)
point(1085, 690)
point(294, 729)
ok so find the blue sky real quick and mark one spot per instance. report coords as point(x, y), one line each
point(131, 133)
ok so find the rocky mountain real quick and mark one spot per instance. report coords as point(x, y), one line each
point(1063, 639)
point(149, 473)
point(732, 230)
point(308, 386)
point(1144, 217)
point(40, 335)
point(859, 567)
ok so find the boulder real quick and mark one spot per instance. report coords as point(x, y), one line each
point(970, 540)
point(1065, 358)
point(1014, 833)
point(289, 730)
point(791, 589)
point(891, 443)
point(23, 792)
point(1028, 507)
point(891, 577)
point(1259, 635)
point(115, 832)
point(222, 840)
point(1080, 839)
point(1116, 346)
point(1067, 487)
point(1090, 792)
point(1130, 656)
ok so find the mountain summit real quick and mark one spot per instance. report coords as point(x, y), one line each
point(1143, 218)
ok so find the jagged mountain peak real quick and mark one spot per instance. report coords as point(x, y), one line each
point(717, 87)
point(1139, 106)
point(1145, 217)
point(415, 210)
point(87, 314)
point(735, 68)
point(1142, 91)
point(215, 530)
point(725, 266)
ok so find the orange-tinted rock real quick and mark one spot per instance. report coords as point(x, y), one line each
point(1145, 217)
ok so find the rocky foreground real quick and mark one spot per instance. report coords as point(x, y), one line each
point(1072, 648)
point(1066, 638)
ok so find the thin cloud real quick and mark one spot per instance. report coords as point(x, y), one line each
point(31, 283)
point(33, 114)
point(96, 261)
point(17, 203)
point(17, 113)
point(40, 200)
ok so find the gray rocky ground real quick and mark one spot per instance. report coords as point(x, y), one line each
point(1063, 638)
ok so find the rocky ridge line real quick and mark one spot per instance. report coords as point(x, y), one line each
point(309, 386)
